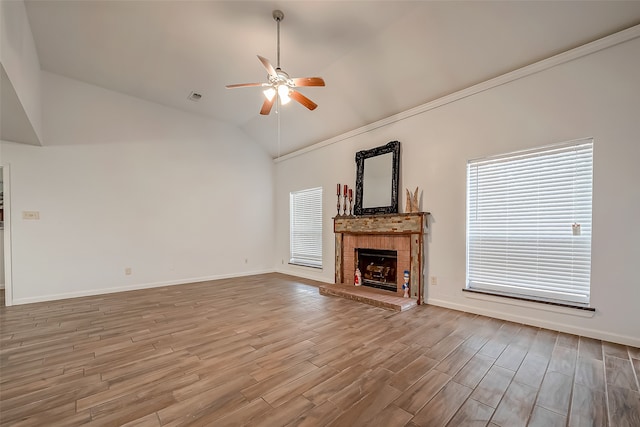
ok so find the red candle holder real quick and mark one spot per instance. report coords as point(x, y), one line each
point(344, 198)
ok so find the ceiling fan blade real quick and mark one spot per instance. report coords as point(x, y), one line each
point(303, 100)
point(243, 85)
point(266, 106)
point(267, 65)
point(308, 81)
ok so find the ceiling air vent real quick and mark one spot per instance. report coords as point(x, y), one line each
point(195, 96)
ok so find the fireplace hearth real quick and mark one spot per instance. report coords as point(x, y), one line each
point(378, 268)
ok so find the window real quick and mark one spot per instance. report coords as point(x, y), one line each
point(529, 223)
point(306, 227)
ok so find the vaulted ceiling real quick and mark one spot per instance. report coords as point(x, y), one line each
point(378, 58)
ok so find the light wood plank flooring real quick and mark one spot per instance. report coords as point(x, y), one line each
point(269, 350)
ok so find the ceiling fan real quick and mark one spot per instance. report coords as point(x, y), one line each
point(280, 85)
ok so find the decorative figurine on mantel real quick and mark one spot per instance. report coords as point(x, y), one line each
point(412, 202)
point(405, 285)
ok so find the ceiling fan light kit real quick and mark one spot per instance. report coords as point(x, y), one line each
point(280, 87)
point(269, 93)
point(283, 93)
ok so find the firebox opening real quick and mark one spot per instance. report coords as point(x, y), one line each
point(378, 268)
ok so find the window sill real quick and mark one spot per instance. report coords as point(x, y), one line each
point(532, 302)
point(297, 264)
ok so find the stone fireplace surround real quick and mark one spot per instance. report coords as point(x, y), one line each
point(403, 233)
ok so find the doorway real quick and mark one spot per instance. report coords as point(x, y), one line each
point(2, 293)
point(5, 238)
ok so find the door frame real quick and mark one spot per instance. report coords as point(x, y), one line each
point(8, 283)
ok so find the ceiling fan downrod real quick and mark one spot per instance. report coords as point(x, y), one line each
point(278, 16)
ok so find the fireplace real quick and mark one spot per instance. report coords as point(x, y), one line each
point(401, 234)
point(378, 268)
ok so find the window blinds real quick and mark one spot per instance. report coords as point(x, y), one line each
point(529, 222)
point(306, 227)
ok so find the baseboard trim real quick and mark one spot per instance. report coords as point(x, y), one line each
point(136, 287)
point(585, 332)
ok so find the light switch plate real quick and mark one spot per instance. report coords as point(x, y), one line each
point(33, 215)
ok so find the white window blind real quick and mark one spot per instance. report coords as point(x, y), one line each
point(306, 227)
point(529, 222)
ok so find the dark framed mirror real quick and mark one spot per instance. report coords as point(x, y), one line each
point(377, 176)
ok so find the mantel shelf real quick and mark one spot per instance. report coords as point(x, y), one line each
point(407, 223)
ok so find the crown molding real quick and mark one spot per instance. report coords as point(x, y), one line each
point(545, 64)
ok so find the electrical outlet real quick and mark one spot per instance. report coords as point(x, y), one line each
point(127, 271)
point(434, 280)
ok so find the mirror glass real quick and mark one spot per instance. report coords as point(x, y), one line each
point(377, 176)
point(376, 185)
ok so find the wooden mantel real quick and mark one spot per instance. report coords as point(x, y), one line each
point(411, 227)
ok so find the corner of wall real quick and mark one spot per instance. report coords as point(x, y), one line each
point(21, 65)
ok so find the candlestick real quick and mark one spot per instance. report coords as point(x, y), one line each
point(344, 198)
point(338, 205)
point(338, 193)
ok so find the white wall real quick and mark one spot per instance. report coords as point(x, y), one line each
point(20, 60)
point(597, 95)
point(127, 183)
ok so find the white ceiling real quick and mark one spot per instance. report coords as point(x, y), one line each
point(378, 58)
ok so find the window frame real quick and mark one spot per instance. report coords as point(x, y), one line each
point(310, 256)
point(563, 290)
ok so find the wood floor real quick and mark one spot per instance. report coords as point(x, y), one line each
point(269, 350)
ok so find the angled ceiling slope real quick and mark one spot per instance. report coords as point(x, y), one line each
point(378, 58)
point(15, 125)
